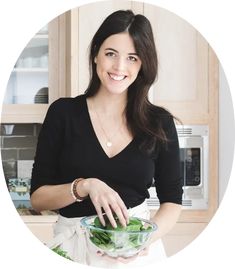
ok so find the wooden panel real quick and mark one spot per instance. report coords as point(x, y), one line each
point(14, 113)
point(182, 85)
point(137, 7)
point(43, 231)
point(74, 53)
point(41, 226)
point(53, 82)
point(64, 42)
point(214, 131)
point(181, 236)
point(58, 61)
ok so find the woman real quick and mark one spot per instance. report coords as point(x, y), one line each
point(99, 152)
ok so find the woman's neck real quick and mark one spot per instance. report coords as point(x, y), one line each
point(110, 104)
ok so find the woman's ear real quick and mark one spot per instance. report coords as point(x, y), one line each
point(95, 60)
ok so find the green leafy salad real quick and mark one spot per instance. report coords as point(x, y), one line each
point(114, 239)
point(61, 252)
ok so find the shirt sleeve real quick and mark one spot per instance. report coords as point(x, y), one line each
point(48, 147)
point(167, 167)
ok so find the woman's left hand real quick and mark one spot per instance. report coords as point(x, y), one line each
point(143, 252)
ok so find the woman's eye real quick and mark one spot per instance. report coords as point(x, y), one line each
point(110, 54)
point(132, 58)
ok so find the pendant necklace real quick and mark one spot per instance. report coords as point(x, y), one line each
point(109, 142)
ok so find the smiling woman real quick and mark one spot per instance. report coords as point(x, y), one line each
point(98, 153)
point(117, 63)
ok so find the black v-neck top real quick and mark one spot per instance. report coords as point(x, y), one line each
point(68, 148)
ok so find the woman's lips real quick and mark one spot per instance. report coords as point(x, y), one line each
point(117, 77)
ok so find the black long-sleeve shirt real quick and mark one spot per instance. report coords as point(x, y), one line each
point(68, 148)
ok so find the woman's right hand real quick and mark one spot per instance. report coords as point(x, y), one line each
point(104, 197)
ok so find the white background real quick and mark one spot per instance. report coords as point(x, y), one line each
point(19, 21)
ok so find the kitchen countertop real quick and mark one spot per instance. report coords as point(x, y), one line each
point(24, 208)
point(31, 212)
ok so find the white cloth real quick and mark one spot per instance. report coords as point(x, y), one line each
point(70, 236)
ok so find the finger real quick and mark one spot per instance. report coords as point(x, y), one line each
point(123, 208)
point(100, 214)
point(116, 259)
point(127, 260)
point(118, 211)
point(106, 257)
point(125, 213)
point(144, 252)
point(109, 214)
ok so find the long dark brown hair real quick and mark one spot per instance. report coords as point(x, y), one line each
point(144, 119)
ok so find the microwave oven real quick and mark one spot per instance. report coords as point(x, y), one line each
point(194, 162)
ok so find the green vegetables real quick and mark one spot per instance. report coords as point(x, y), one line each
point(120, 238)
point(61, 252)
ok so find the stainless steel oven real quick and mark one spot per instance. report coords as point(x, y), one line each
point(194, 162)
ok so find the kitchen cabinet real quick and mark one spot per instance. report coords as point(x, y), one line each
point(41, 226)
point(39, 75)
point(181, 236)
point(183, 79)
point(183, 84)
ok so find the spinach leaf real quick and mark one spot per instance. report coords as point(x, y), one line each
point(61, 252)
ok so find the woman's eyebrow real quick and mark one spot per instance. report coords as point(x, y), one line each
point(111, 49)
point(131, 53)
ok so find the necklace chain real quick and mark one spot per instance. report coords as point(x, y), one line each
point(109, 142)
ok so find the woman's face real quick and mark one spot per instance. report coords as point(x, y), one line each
point(117, 63)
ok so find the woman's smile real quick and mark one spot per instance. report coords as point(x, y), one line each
point(116, 77)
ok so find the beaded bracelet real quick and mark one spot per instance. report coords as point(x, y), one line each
point(73, 190)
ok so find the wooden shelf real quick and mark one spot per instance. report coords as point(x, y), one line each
point(20, 113)
point(30, 69)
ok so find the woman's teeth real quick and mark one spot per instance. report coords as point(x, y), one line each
point(116, 77)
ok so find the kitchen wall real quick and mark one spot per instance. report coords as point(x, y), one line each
point(226, 134)
point(18, 142)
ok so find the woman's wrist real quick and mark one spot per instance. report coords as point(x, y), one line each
point(76, 190)
point(83, 187)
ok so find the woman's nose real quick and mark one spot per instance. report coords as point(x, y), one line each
point(119, 64)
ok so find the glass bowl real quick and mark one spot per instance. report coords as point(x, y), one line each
point(121, 241)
